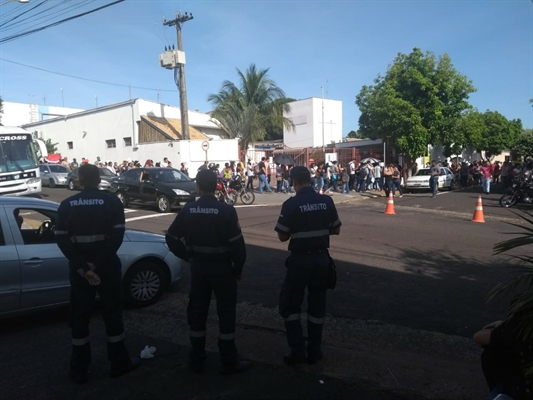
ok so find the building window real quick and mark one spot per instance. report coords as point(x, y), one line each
point(70, 145)
point(111, 143)
point(127, 141)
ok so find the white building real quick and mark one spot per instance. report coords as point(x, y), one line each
point(317, 122)
point(136, 130)
point(18, 114)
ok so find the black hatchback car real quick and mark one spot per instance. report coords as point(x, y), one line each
point(164, 187)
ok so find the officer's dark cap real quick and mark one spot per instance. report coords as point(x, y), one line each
point(89, 175)
point(300, 175)
point(207, 180)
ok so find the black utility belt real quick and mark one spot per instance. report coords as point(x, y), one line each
point(312, 251)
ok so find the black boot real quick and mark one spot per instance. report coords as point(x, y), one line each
point(314, 345)
point(121, 363)
point(294, 358)
point(197, 355)
point(79, 363)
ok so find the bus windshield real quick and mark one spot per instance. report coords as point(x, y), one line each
point(17, 153)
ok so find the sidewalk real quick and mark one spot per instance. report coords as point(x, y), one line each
point(274, 199)
point(362, 360)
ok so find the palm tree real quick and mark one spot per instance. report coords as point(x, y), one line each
point(244, 111)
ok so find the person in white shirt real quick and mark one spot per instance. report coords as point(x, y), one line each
point(164, 163)
point(250, 174)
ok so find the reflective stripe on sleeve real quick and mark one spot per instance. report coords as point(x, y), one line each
point(310, 234)
point(198, 334)
point(115, 339)
point(234, 238)
point(293, 317)
point(88, 238)
point(335, 224)
point(61, 232)
point(209, 250)
point(282, 227)
point(80, 342)
point(118, 226)
point(226, 336)
point(315, 320)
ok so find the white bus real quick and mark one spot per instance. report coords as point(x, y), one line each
point(19, 162)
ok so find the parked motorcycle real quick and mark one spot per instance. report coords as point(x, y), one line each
point(521, 192)
point(247, 196)
point(224, 193)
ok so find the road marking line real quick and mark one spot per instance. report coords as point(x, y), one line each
point(146, 216)
point(128, 210)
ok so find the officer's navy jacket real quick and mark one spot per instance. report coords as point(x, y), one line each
point(208, 230)
point(308, 218)
point(90, 228)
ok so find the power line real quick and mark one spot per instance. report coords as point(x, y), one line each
point(25, 12)
point(31, 19)
point(17, 36)
point(86, 79)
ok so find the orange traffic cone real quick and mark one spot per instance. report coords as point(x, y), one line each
point(478, 214)
point(390, 205)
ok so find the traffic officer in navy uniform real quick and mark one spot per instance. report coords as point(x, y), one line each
point(307, 219)
point(208, 235)
point(89, 232)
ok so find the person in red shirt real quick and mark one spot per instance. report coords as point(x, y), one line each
point(486, 176)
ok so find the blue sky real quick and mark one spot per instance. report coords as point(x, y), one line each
point(304, 43)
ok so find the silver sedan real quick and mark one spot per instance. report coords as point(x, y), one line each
point(34, 272)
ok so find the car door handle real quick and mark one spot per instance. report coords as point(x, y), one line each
point(35, 262)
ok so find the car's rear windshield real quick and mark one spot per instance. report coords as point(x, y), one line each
point(105, 172)
point(169, 175)
point(58, 168)
point(422, 172)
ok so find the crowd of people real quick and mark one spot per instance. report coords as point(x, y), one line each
point(118, 168)
point(335, 176)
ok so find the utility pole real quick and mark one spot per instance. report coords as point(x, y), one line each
point(323, 136)
point(178, 22)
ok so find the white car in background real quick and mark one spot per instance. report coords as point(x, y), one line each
point(420, 181)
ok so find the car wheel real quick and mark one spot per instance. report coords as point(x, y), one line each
point(71, 185)
point(143, 284)
point(163, 205)
point(122, 199)
point(51, 183)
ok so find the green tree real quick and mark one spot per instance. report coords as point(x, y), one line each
point(244, 111)
point(418, 102)
point(50, 147)
point(523, 147)
point(355, 135)
point(274, 124)
point(499, 133)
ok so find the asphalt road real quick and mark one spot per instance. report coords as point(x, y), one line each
point(427, 267)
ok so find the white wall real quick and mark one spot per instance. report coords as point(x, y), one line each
point(17, 114)
point(190, 152)
point(306, 115)
point(88, 134)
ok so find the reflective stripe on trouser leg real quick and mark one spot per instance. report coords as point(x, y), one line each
point(116, 349)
